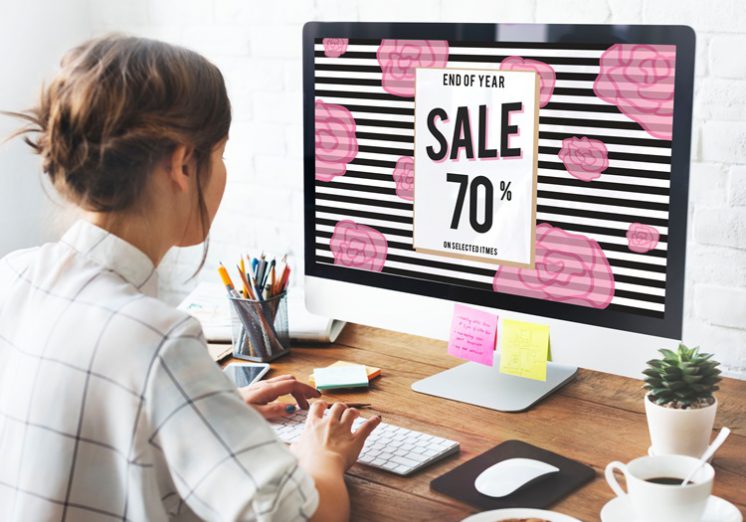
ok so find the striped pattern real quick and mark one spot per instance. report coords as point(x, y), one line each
point(635, 187)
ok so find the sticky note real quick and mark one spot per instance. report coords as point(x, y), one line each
point(473, 334)
point(524, 349)
point(351, 376)
point(372, 371)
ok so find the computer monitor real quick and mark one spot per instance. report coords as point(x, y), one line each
point(539, 171)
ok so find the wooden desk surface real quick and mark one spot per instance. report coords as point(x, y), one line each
point(596, 419)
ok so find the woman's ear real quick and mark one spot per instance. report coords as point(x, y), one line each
point(180, 167)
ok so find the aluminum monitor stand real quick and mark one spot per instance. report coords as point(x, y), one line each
point(485, 386)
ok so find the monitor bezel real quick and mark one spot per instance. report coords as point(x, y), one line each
point(683, 37)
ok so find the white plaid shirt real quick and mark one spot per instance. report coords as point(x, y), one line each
point(110, 406)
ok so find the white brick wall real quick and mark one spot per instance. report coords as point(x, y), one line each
point(258, 47)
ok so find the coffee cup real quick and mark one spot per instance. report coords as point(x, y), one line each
point(654, 487)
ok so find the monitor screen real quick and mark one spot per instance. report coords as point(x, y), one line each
point(537, 168)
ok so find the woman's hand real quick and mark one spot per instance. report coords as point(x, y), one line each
point(261, 395)
point(330, 441)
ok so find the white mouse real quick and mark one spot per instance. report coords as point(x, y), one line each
point(508, 476)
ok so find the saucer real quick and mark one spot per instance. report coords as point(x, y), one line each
point(717, 510)
point(507, 513)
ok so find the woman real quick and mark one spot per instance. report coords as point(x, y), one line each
point(110, 406)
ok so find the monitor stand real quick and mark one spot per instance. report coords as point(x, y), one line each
point(485, 386)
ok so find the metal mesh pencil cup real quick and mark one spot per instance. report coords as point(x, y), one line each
point(260, 328)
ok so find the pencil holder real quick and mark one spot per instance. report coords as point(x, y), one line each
point(260, 328)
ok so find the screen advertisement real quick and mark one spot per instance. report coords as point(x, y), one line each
point(539, 170)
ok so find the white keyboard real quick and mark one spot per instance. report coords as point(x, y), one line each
point(389, 447)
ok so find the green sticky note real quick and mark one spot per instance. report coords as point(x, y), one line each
point(524, 349)
point(352, 376)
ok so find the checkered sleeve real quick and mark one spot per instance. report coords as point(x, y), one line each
point(223, 457)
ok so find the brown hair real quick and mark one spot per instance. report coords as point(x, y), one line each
point(117, 107)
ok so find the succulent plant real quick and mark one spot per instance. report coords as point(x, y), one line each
point(682, 379)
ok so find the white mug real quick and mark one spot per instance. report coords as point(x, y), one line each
point(653, 502)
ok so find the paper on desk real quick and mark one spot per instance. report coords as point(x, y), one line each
point(524, 349)
point(473, 334)
point(209, 305)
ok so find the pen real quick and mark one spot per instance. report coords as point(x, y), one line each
point(359, 405)
point(260, 272)
point(267, 271)
point(255, 286)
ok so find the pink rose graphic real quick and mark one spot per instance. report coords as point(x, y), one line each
point(336, 141)
point(358, 246)
point(584, 158)
point(400, 58)
point(404, 177)
point(639, 79)
point(569, 268)
point(335, 47)
point(642, 238)
point(547, 78)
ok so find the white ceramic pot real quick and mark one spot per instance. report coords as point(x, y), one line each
point(679, 432)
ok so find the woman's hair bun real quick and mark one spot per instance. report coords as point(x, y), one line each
point(117, 106)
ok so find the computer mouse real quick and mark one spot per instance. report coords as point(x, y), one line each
point(508, 476)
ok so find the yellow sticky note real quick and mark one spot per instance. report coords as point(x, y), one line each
point(524, 349)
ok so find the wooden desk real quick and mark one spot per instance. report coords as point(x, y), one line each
point(596, 419)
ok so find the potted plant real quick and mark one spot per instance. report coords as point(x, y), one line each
point(680, 405)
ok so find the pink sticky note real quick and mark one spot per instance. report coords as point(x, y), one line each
point(473, 334)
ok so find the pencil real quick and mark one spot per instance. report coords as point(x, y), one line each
point(227, 280)
point(246, 287)
point(281, 275)
point(272, 279)
point(287, 279)
point(244, 281)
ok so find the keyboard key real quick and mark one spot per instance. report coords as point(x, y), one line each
point(390, 448)
point(404, 461)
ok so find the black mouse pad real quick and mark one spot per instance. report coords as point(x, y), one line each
point(459, 482)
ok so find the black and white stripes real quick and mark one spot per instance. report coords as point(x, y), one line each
point(633, 189)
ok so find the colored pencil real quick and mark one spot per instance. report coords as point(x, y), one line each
point(227, 280)
point(246, 286)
